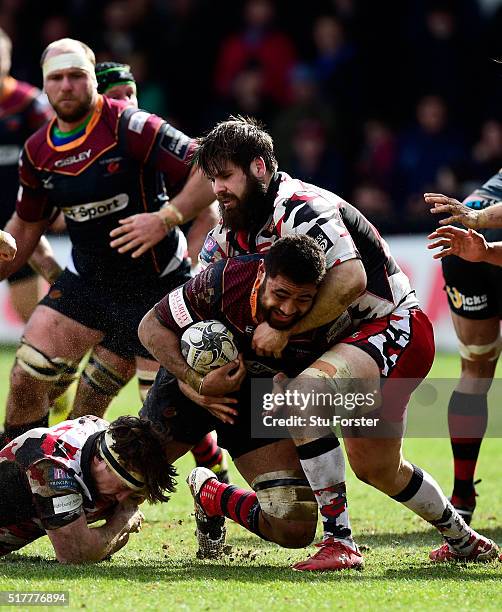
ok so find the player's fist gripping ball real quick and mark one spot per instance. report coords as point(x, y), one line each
point(208, 345)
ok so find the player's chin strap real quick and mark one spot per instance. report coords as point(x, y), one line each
point(133, 480)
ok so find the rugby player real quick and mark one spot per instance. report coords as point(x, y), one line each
point(394, 338)
point(471, 268)
point(243, 292)
point(239, 293)
point(115, 80)
point(57, 480)
point(23, 109)
point(96, 161)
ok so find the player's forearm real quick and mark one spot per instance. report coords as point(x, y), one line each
point(44, 262)
point(195, 196)
point(164, 345)
point(95, 544)
point(342, 285)
point(27, 236)
point(490, 217)
point(493, 253)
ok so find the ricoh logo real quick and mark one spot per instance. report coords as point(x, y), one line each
point(94, 210)
point(466, 302)
point(73, 159)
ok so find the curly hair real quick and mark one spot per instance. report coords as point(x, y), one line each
point(299, 258)
point(238, 140)
point(141, 447)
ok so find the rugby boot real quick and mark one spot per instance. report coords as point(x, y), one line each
point(333, 555)
point(221, 468)
point(210, 530)
point(482, 550)
point(465, 506)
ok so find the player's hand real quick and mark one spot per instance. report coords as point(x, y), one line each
point(223, 408)
point(8, 247)
point(459, 213)
point(130, 515)
point(467, 244)
point(279, 386)
point(224, 380)
point(269, 342)
point(139, 232)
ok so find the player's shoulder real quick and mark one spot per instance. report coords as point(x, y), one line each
point(295, 191)
point(26, 90)
point(38, 143)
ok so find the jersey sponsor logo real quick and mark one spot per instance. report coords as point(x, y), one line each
point(9, 155)
point(73, 159)
point(94, 210)
point(66, 503)
point(470, 303)
point(481, 204)
point(178, 307)
point(175, 142)
point(340, 325)
point(320, 237)
point(137, 121)
point(208, 250)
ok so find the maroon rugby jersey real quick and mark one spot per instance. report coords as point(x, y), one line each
point(23, 109)
point(115, 169)
point(223, 291)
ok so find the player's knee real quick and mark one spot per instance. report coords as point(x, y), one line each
point(380, 473)
point(289, 506)
point(291, 534)
point(32, 364)
point(102, 377)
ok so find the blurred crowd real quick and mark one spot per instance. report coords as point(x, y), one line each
point(377, 101)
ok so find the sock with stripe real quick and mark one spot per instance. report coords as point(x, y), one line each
point(207, 453)
point(240, 505)
point(467, 416)
point(423, 496)
point(324, 466)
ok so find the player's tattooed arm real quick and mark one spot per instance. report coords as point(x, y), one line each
point(473, 213)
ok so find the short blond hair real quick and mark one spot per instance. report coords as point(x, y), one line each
point(69, 44)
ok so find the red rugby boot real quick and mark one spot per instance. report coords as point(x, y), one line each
point(483, 550)
point(332, 556)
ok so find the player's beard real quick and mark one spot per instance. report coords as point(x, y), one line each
point(252, 209)
point(79, 112)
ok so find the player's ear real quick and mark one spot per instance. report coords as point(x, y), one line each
point(258, 167)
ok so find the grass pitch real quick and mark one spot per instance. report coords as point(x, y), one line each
point(158, 569)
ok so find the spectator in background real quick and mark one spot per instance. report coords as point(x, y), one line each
point(314, 160)
point(334, 64)
point(378, 156)
point(306, 105)
point(425, 149)
point(261, 42)
point(487, 151)
point(376, 205)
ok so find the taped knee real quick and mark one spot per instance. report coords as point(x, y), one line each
point(102, 377)
point(146, 379)
point(287, 495)
point(38, 365)
point(480, 352)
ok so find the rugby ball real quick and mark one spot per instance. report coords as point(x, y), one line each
point(207, 345)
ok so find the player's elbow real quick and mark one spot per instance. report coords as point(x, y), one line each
point(146, 326)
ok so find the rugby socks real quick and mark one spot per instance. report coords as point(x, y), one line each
point(207, 453)
point(424, 497)
point(220, 499)
point(467, 415)
point(324, 465)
